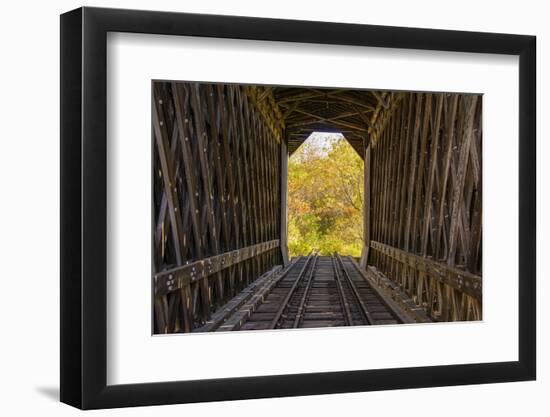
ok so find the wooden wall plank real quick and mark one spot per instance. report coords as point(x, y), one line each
point(426, 202)
point(216, 194)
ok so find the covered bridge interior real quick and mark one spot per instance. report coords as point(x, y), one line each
point(220, 199)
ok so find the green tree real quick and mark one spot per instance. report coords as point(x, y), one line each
point(325, 197)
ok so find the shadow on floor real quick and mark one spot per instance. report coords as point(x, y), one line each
point(50, 392)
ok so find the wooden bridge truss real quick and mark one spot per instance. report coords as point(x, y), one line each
point(424, 203)
point(216, 199)
point(220, 178)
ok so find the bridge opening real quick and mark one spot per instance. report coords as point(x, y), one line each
point(325, 197)
point(238, 245)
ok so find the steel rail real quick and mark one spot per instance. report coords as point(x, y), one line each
point(387, 301)
point(362, 305)
point(281, 309)
point(222, 316)
point(298, 318)
point(343, 299)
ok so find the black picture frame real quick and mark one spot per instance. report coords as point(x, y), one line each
point(84, 207)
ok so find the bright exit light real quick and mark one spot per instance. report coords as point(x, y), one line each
point(325, 183)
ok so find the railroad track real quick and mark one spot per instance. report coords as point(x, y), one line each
point(321, 291)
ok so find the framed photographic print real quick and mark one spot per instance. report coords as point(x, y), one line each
point(256, 207)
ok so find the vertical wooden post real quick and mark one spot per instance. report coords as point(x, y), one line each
point(366, 205)
point(284, 201)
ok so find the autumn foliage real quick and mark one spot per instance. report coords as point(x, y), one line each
point(325, 183)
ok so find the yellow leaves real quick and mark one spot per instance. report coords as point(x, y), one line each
point(325, 198)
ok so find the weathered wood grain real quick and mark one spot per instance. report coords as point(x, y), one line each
point(216, 192)
point(426, 208)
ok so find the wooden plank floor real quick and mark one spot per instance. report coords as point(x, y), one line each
point(314, 292)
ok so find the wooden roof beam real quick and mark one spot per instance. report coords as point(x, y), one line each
point(356, 112)
point(294, 97)
point(264, 94)
point(364, 118)
point(311, 93)
point(381, 99)
point(324, 120)
point(343, 96)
